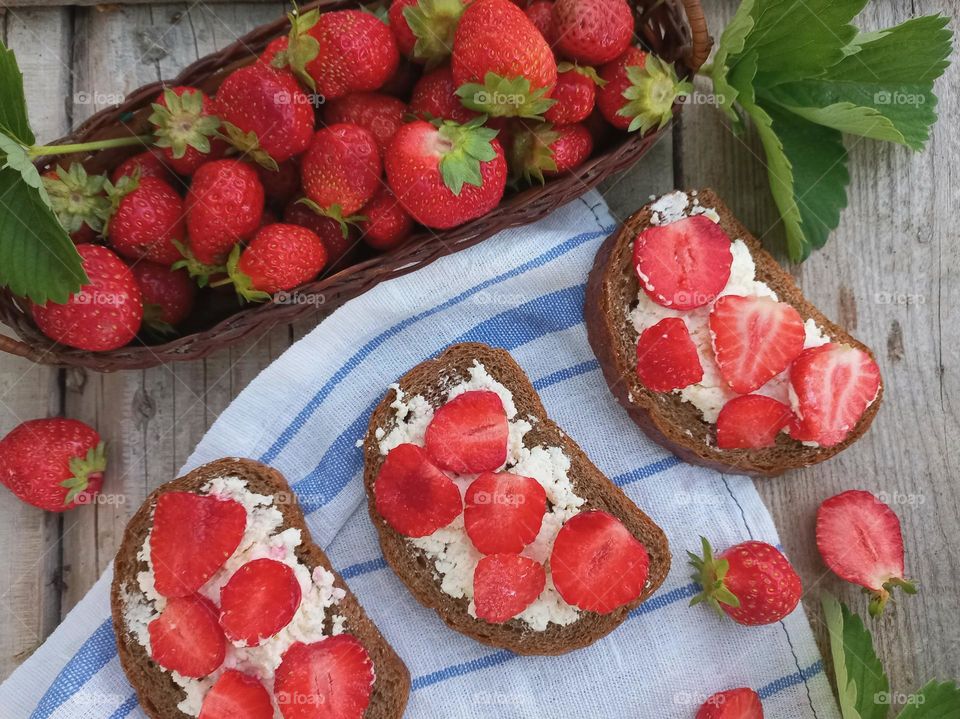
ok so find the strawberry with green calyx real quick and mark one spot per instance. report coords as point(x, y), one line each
point(185, 126)
point(575, 93)
point(168, 296)
point(640, 91)
point(501, 63)
point(146, 219)
point(425, 28)
point(328, 230)
point(547, 151)
point(78, 200)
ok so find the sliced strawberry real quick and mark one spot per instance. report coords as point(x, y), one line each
point(506, 584)
point(258, 601)
point(236, 695)
point(751, 421)
point(684, 264)
point(754, 339)
point(192, 536)
point(186, 637)
point(329, 679)
point(504, 512)
point(831, 387)
point(413, 495)
point(469, 433)
point(597, 564)
point(666, 356)
point(742, 703)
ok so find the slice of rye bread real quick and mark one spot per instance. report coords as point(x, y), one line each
point(156, 690)
point(667, 419)
point(430, 379)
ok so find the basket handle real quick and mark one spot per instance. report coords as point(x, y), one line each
point(18, 348)
point(701, 42)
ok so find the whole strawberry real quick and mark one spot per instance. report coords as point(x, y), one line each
point(446, 175)
point(501, 63)
point(592, 32)
point(752, 582)
point(279, 257)
point(547, 151)
point(78, 200)
point(145, 164)
point(54, 464)
point(424, 29)
point(265, 113)
point(185, 125)
point(741, 703)
point(329, 231)
point(381, 114)
point(341, 170)
point(575, 93)
point(435, 97)
point(105, 314)
point(147, 220)
point(387, 224)
point(168, 295)
point(639, 91)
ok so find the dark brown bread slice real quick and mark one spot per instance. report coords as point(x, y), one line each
point(430, 380)
point(157, 692)
point(667, 419)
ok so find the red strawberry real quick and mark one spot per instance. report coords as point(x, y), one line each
point(412, 495)
point(503, 512)
point(832, 386)
point(387, 225)
point(105, 314)
point(78, 200)
point(446, 175)
point(435, 97)
point(258, 600)
point(547, 151)
point(149, 164)
point(575, 93)
point(54, 464)
point(751, 421)
point(597, 564)
point(402, 33)
point(504, 585)
point(540, 13)
point(501, 63)
point(424, 29)
point(860, 540)
point(341, 170)
point(185, 124)
point(592, 32)
point(280, 186)
point(329, 679)
point(752, 582)
point(667, 358)
point(236, 695)
point(341, 52)
point(754, 339)
point(279, 257)
point(275, 53)
point(186, 638)
point(192, 536)
point(328, 230)
point(639, 91)
point(265, 113)
point(147, 220)
point(739, 703)
point(381, 114)
point(684, 264)
point(469, 433)
point(168, 295)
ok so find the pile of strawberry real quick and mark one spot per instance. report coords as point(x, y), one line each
point(685, 265)
point(596, 563)
point(354, 127)
point(193, 535)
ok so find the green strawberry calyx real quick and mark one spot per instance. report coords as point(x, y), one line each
point(585, 70)
point(153, 320)
point(194, 267)
point(115, 194)
point(242, 282)
point(532, 153)
point(505, 97)
point(78, 199)
point(334, 212)
point(180, 122)
point(710, 573)
point(302, 47)
point(83, 470)
point(653, 90)
point(879, 597)
point(433, 23)
point(461, 149)
point(248, 144)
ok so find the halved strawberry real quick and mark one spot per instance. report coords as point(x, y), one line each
point(258, 601)
point(329, 679)
point(741, 703)
point(236, 695)
point(186, 637)
point(506, 584)
point(469, 433)
point(666, 356)
point(192, 536)
point(504, 512)
point(751, 421)
point(754, 339)
point(413, 495)
point(831, 387)
point(684, 264)
point(597, 564)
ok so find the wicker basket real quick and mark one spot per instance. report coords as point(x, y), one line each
point(673, 29)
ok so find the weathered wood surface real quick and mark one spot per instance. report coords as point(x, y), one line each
point(890, 273)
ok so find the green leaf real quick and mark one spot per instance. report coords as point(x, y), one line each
point(505, 97)
point(862, 685)
point(731, 43)
point(13, 109)
point(935, 700)
point(470, 145)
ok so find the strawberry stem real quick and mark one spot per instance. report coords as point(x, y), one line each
point(709, 573)
point(43, 150)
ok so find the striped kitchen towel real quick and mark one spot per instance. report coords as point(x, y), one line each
point(522, 290)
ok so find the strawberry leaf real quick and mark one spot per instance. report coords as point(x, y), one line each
point(13, 109)
point(505, 97)
point(862, 685)
point(935, 700)
point(433, 23)
point(470, 145)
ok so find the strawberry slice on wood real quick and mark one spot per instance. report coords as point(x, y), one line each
point(329, 679)
point(192, 536)
point(506, 584)
point(236, 695)
point(832, 386)
point(597, 564)
point(751, 421)
point(504, 512)
point(684, 264)
point(258, 601)
point(469, 433)
point(741, 703)
point(754, 339)
point(412, 495)
point(186, 637)
point(667, 358)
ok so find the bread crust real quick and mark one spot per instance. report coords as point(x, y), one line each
point(157, 692)
point(677, 425)
point(417, 571)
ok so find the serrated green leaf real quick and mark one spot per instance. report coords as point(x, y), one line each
point(731, 43)
point(862, 685)
point(935, 700)
point(13, 109)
